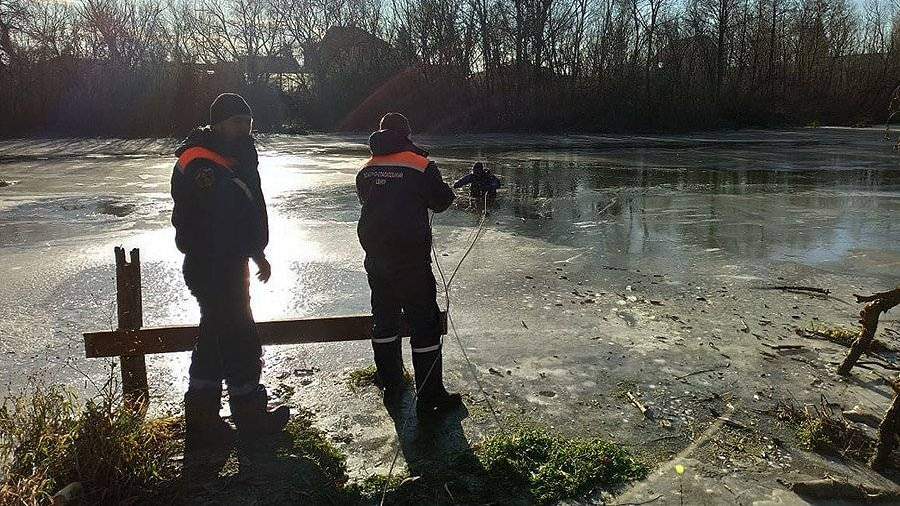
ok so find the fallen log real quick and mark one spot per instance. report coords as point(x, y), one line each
point(877, 303)
point(834, 489)
point(887, 434)
point(858, 416)
point(875, 296)
point(784, 347)
point(812, 289)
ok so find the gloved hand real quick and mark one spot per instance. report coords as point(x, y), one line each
point(265, 269)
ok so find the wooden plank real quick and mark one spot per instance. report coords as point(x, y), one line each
point(176, 339)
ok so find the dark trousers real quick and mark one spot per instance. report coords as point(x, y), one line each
point(228, 347)
point(410, 289)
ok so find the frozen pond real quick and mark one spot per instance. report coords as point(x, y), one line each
point(824, 198)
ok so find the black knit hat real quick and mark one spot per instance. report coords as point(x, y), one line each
point(396, 122)
point(227, 105)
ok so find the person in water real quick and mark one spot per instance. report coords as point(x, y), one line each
point(482, 183)
point(397, 187)
point(220, 222)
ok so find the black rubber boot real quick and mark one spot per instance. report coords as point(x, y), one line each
point(203, 426)
point(390, 376)
point(252, 416)
point(433, 399)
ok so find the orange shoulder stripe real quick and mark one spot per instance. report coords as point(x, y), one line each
point(402, 159)
point(196, 152)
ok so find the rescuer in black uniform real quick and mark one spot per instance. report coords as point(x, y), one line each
point(482, 182)
point(397, 187)
point(220, 222)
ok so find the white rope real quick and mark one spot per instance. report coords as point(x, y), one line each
point(472, 369)
point(447, 284)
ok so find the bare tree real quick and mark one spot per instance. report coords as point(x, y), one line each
point(246, 32)
point(543, 63)
point(121, 31)
point(12, 16)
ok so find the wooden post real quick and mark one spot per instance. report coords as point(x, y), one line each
point(868, 317)
point(131, 317)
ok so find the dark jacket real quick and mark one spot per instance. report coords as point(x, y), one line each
point(482, 182)
point(396, 188)
point(220, 211)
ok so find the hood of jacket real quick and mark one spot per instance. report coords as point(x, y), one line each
point(386, 142)
point(243, 150)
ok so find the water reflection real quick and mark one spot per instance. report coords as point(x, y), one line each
point(747, 214)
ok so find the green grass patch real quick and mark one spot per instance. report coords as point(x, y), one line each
point(813, 435)
point(362, 378)
point(553, 467)
point(525, 466)
point(368, 376)
point(313, 445)
point(369, 489)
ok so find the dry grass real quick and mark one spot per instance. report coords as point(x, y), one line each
point(49, 439)
point(824, 430)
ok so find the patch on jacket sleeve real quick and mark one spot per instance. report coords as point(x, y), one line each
point(205, 179)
